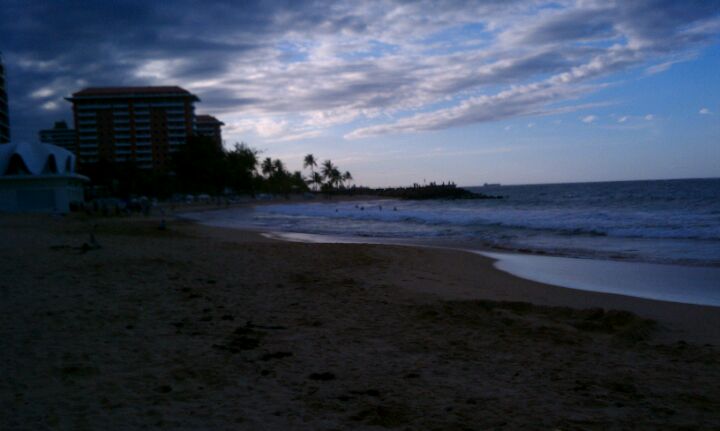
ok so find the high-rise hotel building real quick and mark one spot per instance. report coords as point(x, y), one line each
point(139, 124)
point(209, 126)
point(4, 118)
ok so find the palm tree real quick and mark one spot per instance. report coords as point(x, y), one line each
point(278, 166)
point(310, 162)
point(347, 176)
point(335, 177)
point(316, 179)
point(326, 169)
point(267, 166)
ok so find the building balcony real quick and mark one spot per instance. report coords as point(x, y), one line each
point(167, 105)
point(93, 107)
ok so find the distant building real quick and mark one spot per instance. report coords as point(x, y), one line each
point(209, 126)
point(139, 124)
point(61, 136)
point(4, 118)
point(38, 177)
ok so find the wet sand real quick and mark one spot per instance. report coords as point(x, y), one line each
point(207, 328)
point(662, 282)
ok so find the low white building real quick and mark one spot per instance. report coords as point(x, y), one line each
point(36, 177)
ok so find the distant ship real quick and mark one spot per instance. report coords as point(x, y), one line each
point(491, 185)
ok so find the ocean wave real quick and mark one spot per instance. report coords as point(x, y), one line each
point(652, 221)
point(464, 218)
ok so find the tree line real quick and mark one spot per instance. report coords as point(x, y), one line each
point(200, 166)
point(328, 178)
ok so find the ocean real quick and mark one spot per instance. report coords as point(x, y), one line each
point(663, 221)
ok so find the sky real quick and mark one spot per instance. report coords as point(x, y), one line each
point(397, 92)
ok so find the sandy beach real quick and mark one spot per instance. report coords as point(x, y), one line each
point(206, 328)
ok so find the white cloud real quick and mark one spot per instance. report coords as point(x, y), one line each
point(297, 135)
point(42, 93)
point(51, 105)
point(658, 68)
point(159, 70)
point(581, 65)
point(649, 117)
point(662, 67)
point(589, 119)
point(622, 119)
point(526, 100)
point(705, 111)
point(269, 129)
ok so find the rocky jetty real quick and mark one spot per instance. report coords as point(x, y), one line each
point(431, 191)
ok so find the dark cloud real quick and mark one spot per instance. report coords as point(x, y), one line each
point(104, 43)
point(578, 25)
point(663, 22)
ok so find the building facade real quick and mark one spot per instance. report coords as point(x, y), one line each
point(60, 135)
point(4, 117)
point(209, 126)
point(143, 125)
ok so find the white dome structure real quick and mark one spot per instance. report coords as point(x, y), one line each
point(37, 177)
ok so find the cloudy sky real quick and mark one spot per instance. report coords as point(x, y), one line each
point(398, 92)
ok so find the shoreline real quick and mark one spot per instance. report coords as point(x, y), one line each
point(196, 327)
point(582, 271)
point(592, 251)
point(696, 322)
point(585, 270)
point(701, 322)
